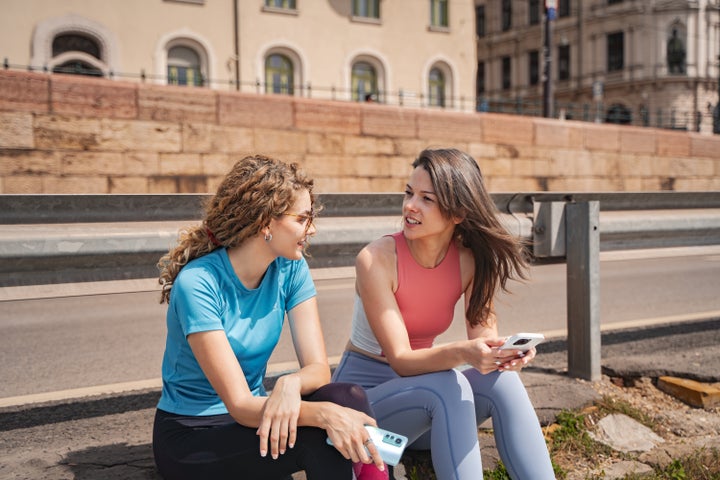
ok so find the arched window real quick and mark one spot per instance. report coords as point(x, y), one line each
point(618, 113)
point(184, 67)
point(364, 82)
point(279, 74)
point(77, 52)
point(436, 88)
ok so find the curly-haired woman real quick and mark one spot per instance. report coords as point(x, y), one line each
point(229, 284)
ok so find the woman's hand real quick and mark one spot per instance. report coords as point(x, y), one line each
point(514, 360)
point(486, 357)
point(483, 354)
point(278, 427)
point(346, 429)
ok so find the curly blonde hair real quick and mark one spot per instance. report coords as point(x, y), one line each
point(256, 190)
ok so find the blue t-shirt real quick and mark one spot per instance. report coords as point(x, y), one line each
point(207, 295)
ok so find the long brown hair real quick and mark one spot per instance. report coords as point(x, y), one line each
point(256, 190)
point(461, 193)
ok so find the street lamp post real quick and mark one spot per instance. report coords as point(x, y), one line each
point(550, 9)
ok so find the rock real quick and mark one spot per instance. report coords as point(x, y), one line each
point(624, 434)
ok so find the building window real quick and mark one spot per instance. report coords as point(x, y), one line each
point(534, 67)
point(279, 74)
point(283, 4)
point(364, 82)
point(183, 67)
point(439, 13)
point(506, 17)
point(534, 12)
point(436, 88)
point(480, 79)
point(564, 62)
point(81, 50)
point(563, 8)
point(506, 73)
point(615, 51)
point(366, 8)
point(676, 53)
point(480, 20)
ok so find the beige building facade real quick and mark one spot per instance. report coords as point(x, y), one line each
point(643, 62)
point(409, 52)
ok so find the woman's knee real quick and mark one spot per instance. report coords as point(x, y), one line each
point(346, 394)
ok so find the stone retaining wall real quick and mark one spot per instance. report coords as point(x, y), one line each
point(70, 134)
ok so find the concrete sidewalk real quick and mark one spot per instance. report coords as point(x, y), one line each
point(108, 437)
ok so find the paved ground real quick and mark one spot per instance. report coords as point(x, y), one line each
point(109, 437)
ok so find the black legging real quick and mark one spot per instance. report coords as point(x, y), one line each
point(217, 447)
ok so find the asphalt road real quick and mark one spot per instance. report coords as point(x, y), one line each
point(98, 341)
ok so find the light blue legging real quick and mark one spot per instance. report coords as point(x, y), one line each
point(441, 411)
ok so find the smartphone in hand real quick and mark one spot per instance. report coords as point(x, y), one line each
point(522, 341)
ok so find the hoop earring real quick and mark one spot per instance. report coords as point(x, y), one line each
point(268, 237)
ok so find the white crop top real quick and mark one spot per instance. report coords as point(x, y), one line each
point(361, 335)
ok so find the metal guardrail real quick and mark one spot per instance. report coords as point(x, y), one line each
point(75, 238)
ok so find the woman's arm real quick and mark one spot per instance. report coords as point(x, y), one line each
point(217, 360)
point(376, 273)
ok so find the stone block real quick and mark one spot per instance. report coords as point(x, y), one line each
point(638, 140)
point(409, 148)
point(601, 137)
point(373, 166)
point(17, 130)
point(697, 394)
point(22, 184)
point(672, 143)
point(180, 164)
point(28, 162)
point(118, 135)
point(92, 97)
point(368, 146)
point(481, 151)
point(217, 164)
point(177, 104)
point(386, 121)
point(257, 111)
point(59, 132)
point(91, 163)
point(128, 185)
point(449, 127)
point(161, 184)
point(325, 143)
point(208, 138)
point(704, 145)
point(553, 133)
point(507, 129)
point(75, 184)
point(146, 162)
point(328, 165)
point(269, 142)
point(327, 116)
point(24, 91)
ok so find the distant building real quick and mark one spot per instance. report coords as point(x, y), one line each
point(410, 52)
point(641, 62)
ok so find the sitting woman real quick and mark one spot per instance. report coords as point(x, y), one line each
point(229, 284)
point(452, 243)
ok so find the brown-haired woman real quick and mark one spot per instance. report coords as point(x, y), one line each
point(452, 243)
point(229, 284)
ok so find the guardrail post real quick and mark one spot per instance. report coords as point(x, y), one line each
point(583, 289)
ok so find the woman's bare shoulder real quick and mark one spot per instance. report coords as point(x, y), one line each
point(380, 251)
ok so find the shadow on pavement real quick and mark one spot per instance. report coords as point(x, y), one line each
point(118, 461)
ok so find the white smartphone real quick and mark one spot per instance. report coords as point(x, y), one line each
point(390, 445)
point(522, 341)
